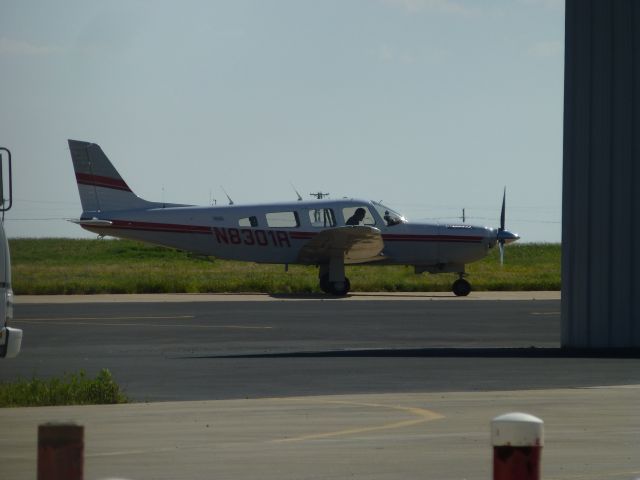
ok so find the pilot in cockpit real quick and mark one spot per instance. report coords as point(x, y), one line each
point(391, 219)
point(357, 217)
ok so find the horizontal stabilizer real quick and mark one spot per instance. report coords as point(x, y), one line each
point(91, 222)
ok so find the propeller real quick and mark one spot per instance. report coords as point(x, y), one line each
point(504, 236)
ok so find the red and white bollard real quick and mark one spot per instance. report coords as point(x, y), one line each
point(60, 451)
point(517, 440)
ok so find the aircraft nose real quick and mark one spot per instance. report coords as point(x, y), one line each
point(508, 237)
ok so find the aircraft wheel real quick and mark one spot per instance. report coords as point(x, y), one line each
point(340, 289)
point(324, 283)
point(461, 288)
point(332, 287)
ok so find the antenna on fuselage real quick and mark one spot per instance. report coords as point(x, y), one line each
point(464, 217)
point(225, 192)
point(212, 199)
point(319, 195)
point(297, 193)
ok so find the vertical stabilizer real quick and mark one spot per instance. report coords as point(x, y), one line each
point(100, 185)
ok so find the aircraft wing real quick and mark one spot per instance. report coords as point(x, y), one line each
point(358, 244)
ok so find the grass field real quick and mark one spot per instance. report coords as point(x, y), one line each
point(66, 266)
point(74, 389)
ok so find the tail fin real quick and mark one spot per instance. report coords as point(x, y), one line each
point(100, 185)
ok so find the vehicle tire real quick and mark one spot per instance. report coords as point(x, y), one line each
point(461, 288)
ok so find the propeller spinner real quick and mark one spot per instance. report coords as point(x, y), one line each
point(504, 236)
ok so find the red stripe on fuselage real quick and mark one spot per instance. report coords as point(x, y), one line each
point(302, 235)
point(177, 228)
point(100, 181)
point(158, 227)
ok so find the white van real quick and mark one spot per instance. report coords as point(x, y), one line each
point(10, 338)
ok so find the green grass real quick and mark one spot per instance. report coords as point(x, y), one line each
point(74, 389)
point(64, 266)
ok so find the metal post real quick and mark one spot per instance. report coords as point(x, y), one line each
point(517, 440)
point(60, 451)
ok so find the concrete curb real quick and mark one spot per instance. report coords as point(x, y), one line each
point(264, 297)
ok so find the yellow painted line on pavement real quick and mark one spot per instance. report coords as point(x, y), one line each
point(597, 475)
point(423, 415)
point(129, 452)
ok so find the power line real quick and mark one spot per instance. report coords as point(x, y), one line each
point(31, 219)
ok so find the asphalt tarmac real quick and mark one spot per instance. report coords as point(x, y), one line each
point(369, 387)
point(199, 350)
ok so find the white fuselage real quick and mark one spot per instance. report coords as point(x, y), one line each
point(275, 233)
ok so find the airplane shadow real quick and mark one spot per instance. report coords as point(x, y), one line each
point(324, 296)
point(454, 352)
point(305, 296)
point(396, 295)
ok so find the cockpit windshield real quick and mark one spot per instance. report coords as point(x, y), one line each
point(390, 216)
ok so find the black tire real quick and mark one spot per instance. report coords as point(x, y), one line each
point(461, 288)
point(327, 287)
point(324, 283)
point(341, 292)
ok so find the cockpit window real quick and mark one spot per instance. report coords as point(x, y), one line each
point(358, 216)
point(390, 216)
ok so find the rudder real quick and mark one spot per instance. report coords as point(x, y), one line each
point(100, 185)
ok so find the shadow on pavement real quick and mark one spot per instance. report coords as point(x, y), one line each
point(530, 352)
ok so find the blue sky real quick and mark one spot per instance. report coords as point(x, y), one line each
point(429, 105)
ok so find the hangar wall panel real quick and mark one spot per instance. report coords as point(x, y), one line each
point(601, 176)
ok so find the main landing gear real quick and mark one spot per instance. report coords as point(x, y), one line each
point(461, 288)
point(339, 289)
point(332, 279)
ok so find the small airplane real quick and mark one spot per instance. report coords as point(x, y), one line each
point(327, 233)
